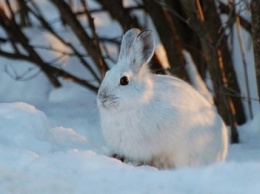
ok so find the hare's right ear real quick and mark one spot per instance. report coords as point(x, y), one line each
point(142, 50)
point(127, 43)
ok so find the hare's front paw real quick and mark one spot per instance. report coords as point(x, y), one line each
point(126, 160)
point(119, 157)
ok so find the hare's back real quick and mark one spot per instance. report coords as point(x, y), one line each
point(178, 92)
point(185, 108)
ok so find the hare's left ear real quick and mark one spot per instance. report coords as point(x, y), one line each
point(142, 50)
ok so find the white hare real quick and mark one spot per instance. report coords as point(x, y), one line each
point(156, 119)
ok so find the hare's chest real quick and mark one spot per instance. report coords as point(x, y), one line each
point(118, 129)
point(128, 136)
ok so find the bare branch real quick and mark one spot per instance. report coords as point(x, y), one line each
point(46, 25)
point(90, 46)
point(55, 70)
point(15, 56)
point(16, 34)
point(255, 16)
point(95, 38)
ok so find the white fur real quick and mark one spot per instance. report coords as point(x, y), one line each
point(155, 119)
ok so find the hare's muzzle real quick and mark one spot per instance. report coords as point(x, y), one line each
point(107, 101)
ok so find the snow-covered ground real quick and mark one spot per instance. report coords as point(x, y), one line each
point(51, 142)
point(58, 148)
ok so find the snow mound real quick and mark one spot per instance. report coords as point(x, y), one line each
point(23, 126)
point(65, 138)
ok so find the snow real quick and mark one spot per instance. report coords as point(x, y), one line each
point(58, 148)
point(51, 142)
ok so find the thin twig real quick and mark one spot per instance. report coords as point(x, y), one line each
point(225, 9)
point(22, 76)
point(95, 38)
point(58, 51)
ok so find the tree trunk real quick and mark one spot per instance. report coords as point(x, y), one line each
point(223, 71)
point(203, 19)
point(170, 38)
point(255, 17)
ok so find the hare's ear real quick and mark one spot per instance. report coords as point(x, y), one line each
point(142, 50)
point(127, 43)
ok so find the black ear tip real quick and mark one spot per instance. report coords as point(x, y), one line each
point(145, 33)
point(132, 31)
point(147, 37)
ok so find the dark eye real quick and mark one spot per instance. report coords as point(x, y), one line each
point(124, 81)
